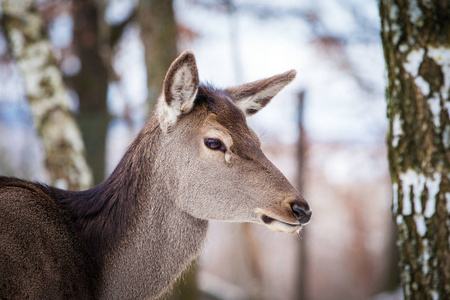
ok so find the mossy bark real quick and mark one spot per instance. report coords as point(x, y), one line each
point(416, 43)
point(45, 90)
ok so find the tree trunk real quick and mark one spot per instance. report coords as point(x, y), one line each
point(159, 36)
point(91, 84)
point(416, 42)
point(45, 90)
point(302, 270)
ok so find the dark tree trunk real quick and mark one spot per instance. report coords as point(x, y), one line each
point(91, 84)
point(159, 35)
point(302, 292)
point(416, 42)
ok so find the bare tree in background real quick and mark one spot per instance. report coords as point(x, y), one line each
point(416, 44)
point(91, 83)
point(45, 90)
point(159, 36)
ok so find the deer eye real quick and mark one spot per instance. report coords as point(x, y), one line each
point(214, 144)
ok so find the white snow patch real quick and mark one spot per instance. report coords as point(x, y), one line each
point(416, 180)
point(435, 108)
point(397, 130)
point(73, 136)
point(393, 14)
point(18, 41)
point(396, 33)
point(447, 107)
point(441, 56)
point(433, 189)
point(399, 220)
point(414, 60)
point(417, 191)
point(434, 295)
point(36, 56)
point(446, 136)
point(395, 197)
point(407, 206)
point(420, 224)
point(414, 12)
point(403, 47)
point(422, 85)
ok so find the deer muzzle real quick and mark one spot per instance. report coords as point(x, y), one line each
point(291, 218)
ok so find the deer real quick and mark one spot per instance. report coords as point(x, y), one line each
point(131, 237)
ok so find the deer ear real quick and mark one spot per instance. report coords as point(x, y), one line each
point(253, 96)
point(179, 90)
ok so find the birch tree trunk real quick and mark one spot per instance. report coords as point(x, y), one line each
point(416, 43)
point(49, 102)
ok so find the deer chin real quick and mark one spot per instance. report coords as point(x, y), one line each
point(281, 226)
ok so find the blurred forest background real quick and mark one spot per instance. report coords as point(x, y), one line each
point(325, 131)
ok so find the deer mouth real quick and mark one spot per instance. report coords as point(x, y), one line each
point(282, 226)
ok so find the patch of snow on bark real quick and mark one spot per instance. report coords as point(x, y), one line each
point(414, 59)
point(415, 13)
point(18, 41)
point(433, 189)
point(422, 85)
point(434, 295)
point(417, 181)
point(420, 225)
point(16, 8)
point(399, 220)
point(446, 137)
point(395, 197)
point(397, 130)
point(441, 56)
point(435, 108)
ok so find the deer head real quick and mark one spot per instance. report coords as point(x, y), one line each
point(215, 168)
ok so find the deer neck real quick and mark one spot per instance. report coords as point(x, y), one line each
point(161, 245)
point(132, 227)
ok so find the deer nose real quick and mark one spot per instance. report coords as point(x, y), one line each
point(302, 215)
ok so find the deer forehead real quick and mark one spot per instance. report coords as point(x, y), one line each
point(215, 115)
point(226, 121)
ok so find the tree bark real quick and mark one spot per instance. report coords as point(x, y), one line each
point(416, 43)
point(159, 36)
point(302, 270)
point(91, 84)
point(45, 90)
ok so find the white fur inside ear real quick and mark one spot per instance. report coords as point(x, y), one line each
point(258, 100)
point(183, 91)
point(248, 104)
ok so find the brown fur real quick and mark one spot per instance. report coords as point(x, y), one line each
point(41, 254)
point(131, 236)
